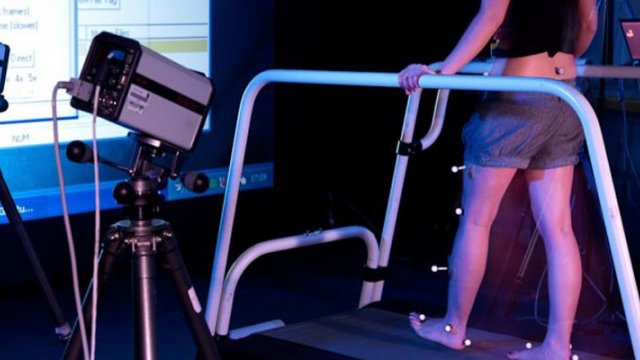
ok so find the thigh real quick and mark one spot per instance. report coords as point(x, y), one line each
point(550, 193)
point(483, 189)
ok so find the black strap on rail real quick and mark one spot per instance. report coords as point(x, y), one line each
point(407, 149)
point(374, 275)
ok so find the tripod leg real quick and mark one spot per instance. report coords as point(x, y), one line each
point(207, 347)
point(144, 274)
point(515, 292)
point(112, 248)
point(63, 329)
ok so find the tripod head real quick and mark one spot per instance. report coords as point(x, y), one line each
point(152, 165)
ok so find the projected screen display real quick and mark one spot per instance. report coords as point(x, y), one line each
point(48, 43)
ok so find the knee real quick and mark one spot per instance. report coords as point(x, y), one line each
point(555, 223)
point(477, 221)
point(561, 231)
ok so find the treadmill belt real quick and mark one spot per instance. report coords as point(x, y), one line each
point(372, 333)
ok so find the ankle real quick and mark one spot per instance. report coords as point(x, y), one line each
point(558, 347)
point(454, 329)
point(457, 325)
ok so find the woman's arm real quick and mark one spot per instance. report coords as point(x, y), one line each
point(587, 27)
point(478, 34)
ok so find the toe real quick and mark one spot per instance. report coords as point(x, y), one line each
point(416, 320)
point(512, 355)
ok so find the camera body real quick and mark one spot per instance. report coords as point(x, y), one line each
point(146, 92)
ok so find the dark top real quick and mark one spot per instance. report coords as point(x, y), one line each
point(537, 26)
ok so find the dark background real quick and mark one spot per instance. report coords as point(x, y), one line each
point(333, 147)
point(334, 150)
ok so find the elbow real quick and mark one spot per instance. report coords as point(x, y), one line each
point(589, 32)
point(586, 34)
point(590, 27)
point(494, 18)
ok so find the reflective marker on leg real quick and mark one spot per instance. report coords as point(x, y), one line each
point(467, 342)
point(436, 268)
point(528, 345)
point(448, 328)
point(575, 357)
point(422, 317)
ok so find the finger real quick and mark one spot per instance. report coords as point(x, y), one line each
point(406, 84)
point(415, 81)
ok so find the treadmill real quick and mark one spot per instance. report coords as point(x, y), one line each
point(373, 330)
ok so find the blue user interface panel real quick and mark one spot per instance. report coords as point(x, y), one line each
point(48, 42)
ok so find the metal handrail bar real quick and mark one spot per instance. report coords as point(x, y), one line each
point(294, 242)
point(583, 70)
point(239, 149)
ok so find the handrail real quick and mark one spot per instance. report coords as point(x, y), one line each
point(593, 136)
point(237, 156)
point(294, 242)
point(583, 70)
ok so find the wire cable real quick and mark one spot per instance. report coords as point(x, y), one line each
point(65, 214)
point(96, 248)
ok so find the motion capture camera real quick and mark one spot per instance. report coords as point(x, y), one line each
point(146, 92)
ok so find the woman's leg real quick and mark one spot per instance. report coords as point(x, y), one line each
point(550, 192)
point(483, 189)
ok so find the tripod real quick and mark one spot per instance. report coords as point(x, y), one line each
point(146, 237)
point(62, 329)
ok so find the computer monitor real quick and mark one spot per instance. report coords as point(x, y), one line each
point(631, 33)
point(49, 42)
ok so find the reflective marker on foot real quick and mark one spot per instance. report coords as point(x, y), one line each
point(422, 317)
point(467, 342)
point(448, 328)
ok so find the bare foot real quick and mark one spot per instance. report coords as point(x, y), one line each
point(434, 330)
point(540, 353)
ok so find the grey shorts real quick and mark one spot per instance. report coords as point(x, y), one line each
point(524, 130)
